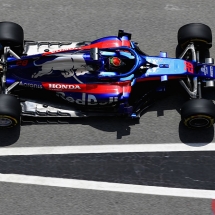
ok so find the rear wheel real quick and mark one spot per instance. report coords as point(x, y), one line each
point(198, 113)
point(12, 35)
point(10, 111)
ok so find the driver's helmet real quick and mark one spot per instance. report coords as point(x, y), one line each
point(115, 63)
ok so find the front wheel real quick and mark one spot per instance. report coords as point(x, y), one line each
point(10, 111)
point(198, 33)
point(195, 32)
point(198, 113)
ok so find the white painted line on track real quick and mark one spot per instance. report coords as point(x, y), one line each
point(167, 147)
point(105, 186)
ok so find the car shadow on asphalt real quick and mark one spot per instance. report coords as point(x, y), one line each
point(9, 136)
point(122, 125)
point(195, 136)
point(186, 135)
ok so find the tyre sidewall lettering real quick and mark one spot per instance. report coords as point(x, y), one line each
point(188, 119)
point(14, 121)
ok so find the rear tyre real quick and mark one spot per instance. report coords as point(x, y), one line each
point(198, 113)
point(10, 111)
point(12, 35)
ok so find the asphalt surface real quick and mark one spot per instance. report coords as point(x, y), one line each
point(164, 169)
point(154, 25)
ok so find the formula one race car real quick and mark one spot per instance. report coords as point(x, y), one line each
point(45, 79)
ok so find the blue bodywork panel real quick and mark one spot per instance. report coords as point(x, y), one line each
point(72, 72)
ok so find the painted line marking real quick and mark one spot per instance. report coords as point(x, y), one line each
point(106, 149)
point(105, 186)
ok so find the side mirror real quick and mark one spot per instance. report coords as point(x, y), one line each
point(122, 33)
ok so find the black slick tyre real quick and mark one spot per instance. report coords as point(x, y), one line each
point(10, 111)
point(195, 32)
point(12, 35)
point(198, 113)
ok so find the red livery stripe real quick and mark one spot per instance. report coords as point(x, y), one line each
point(112, 88)
point(103, 44)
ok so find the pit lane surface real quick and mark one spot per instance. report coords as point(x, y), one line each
point(154, 25)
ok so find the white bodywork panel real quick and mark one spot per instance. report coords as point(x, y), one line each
point(32, 48)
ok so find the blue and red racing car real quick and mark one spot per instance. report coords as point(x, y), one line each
point(45, 79)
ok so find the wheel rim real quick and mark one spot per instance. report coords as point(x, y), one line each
point(5, 122)
point(199, 122)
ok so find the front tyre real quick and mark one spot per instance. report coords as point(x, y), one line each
point(198, 113)
point(10, 111)
point(195, 32)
